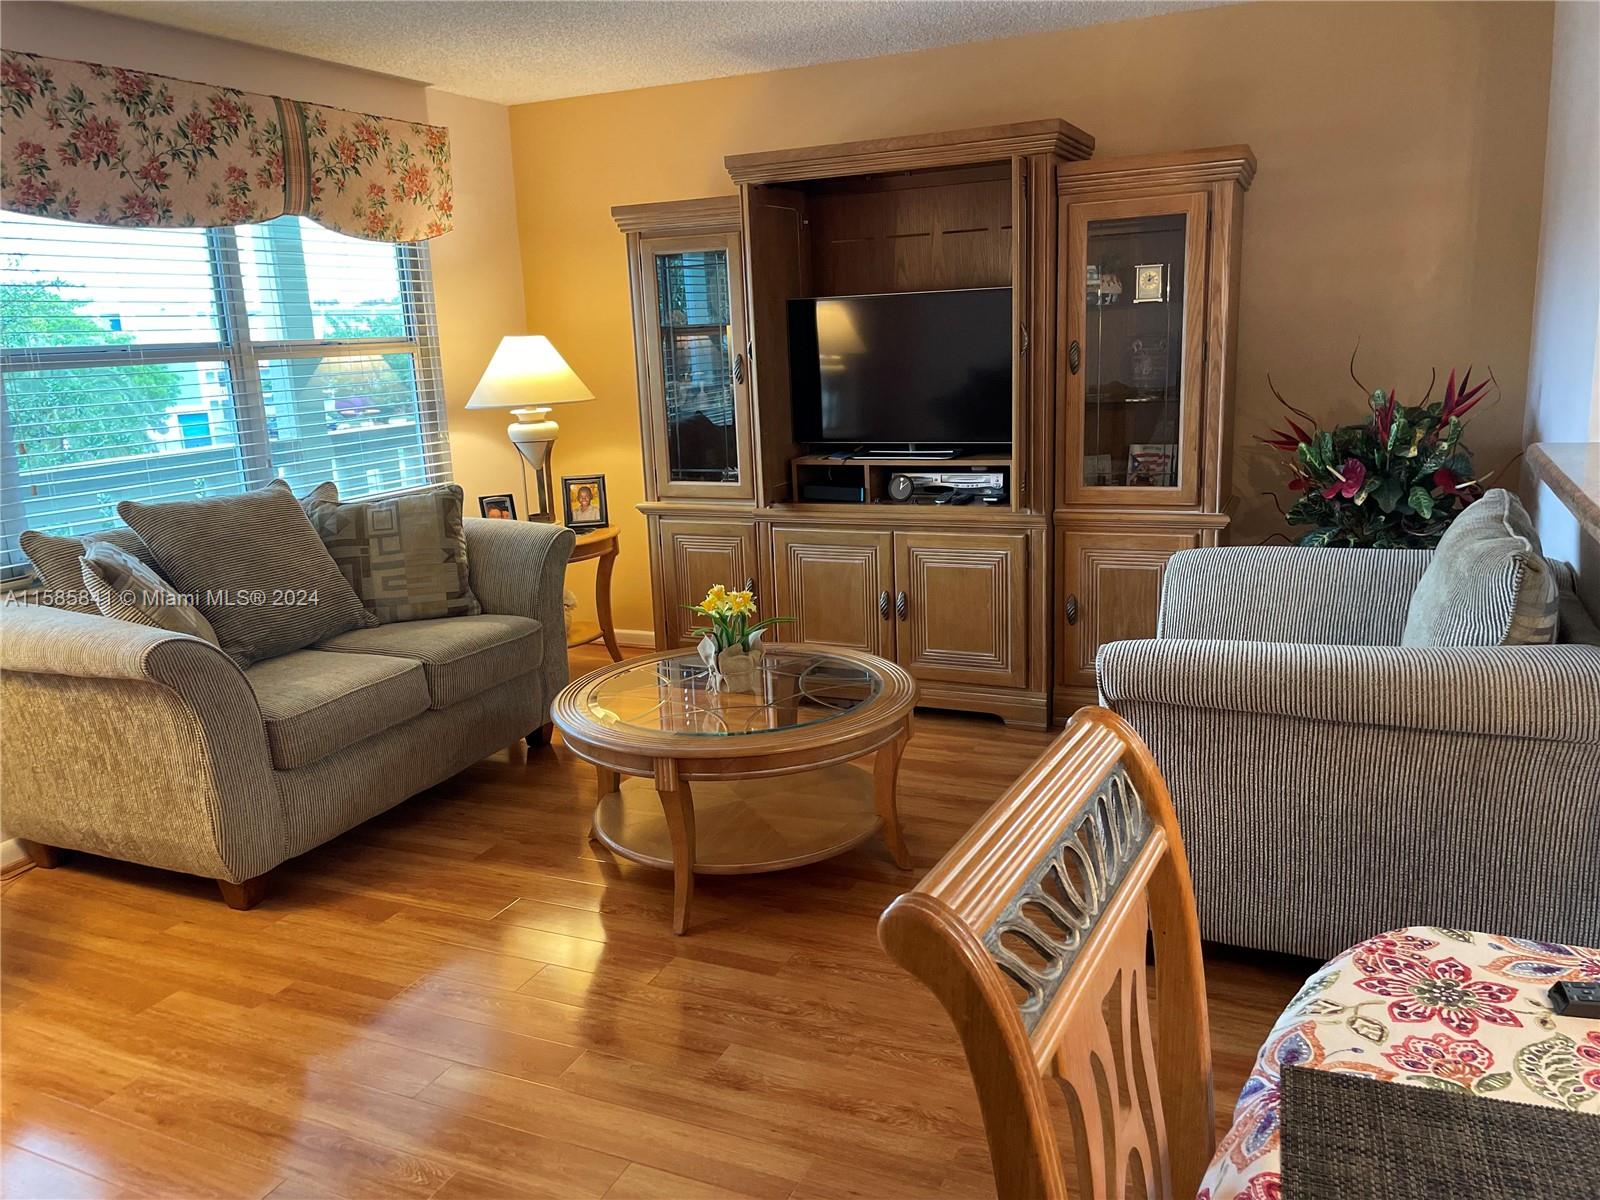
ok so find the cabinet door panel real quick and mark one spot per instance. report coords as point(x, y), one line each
point(1133, 285)
point(964, 602)
point(837, 584)
point(1110, 591)
point(695, 555)
point(698, 407)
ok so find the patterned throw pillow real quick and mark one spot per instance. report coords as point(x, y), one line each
point(124, 588)
point(55, 557)
point(405, 555)
point(253, 566)
point(1487, 584)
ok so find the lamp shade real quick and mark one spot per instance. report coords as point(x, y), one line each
point(527, 372)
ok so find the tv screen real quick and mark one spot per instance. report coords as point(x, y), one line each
point(907, 367)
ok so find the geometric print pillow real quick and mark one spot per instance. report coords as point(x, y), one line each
point(126, 590)
point(405, 555)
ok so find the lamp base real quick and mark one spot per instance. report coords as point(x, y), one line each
point(533, 433)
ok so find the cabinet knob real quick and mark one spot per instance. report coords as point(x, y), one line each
point(1074, 356)
point(1072, 609)
point(738, 368)
point(883, 605)
point(900, 606)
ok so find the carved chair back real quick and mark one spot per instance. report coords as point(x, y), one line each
point(1034, 932)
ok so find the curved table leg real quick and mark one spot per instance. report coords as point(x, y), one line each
point(602, 602)
point(886, 773)
point(678, 804)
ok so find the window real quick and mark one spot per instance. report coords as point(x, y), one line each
point(159, 364)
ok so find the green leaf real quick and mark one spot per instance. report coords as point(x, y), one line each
point(1421, 502)
point(1318, 537)
point(1493, 1083)
point(1550, 1069)
point(1441, 1085)
point(1388, 494)
point(1399, 433)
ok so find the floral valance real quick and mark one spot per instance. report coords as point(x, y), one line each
point(85, 142)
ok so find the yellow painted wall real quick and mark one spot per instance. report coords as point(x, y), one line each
point(1401, 150)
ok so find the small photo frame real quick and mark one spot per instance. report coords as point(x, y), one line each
point(1149, 283)
point(498, 508)
point(583, 497)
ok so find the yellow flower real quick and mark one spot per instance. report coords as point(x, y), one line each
point(740, 603)
point(715, 599)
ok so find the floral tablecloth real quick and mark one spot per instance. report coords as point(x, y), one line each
point(1442, 1008)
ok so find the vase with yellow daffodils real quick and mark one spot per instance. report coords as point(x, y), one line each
point(730, 645)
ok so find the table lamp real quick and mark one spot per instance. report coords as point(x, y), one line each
point(528, 376)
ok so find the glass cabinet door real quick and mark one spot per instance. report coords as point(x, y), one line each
point(698, 376)
point(1135, 343)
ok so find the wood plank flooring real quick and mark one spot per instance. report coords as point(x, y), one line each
point(463, 998)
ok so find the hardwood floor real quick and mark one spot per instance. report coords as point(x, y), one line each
point(464, 998)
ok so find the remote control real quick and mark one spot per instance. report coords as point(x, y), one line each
point(1572, 999)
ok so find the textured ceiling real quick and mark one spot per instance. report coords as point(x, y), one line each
point(514, 52)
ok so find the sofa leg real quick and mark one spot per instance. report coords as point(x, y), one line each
point(542, 735)
point(47, 857)
point(244, 895)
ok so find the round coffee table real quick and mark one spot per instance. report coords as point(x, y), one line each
point(815, 710)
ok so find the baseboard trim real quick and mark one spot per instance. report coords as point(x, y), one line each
point(13, 857)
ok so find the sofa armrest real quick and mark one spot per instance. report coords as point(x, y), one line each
point(137, 743)
point(1327, 596)
point(520, 567)
point(1549, 693)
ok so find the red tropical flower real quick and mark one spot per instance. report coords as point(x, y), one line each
point(1372, 956)
point(142, 209)
point(238, 209)
point(1457, 401)
point(1351, 476)
point(345, 151)
point(154, 171)
point(33, 193)
point(446, 204)
point(413, 184)
point(375, 191)
point(376, 220)
point(1441, 991)
point(28, 153)
point(15, 78)
point(95, 138)
point(199, 129)
point(225, 110)
point(1458, 1060)
point(130, 85)
point(1589, 1051)
point(435, 138)
point(368, 134)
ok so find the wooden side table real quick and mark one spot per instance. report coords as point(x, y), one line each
point(601, 544)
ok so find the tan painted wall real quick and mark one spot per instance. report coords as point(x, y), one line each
point(1401, 150)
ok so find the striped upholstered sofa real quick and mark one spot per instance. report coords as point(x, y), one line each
point(153, 747)
point(1331, 783)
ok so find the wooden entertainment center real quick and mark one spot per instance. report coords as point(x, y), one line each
point(1124, 289)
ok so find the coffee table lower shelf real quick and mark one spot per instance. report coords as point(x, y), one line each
point(746, 826)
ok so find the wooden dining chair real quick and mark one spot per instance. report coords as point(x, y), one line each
point(1034, 933)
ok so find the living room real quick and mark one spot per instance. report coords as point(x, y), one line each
point(1032, 631)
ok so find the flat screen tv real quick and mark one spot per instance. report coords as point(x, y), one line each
point(902, 369)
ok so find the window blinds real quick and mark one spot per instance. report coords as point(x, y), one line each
point(155, 364)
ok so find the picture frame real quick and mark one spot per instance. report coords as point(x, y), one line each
point(583, 500)
point(1149, 283)
point(498, 508)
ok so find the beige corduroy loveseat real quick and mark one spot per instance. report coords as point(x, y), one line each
point(154, 747)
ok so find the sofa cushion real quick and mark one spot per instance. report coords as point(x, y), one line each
point(315, 702)
point(56, 560)
point(1487, 584)
point(254, 566)
point(124, 588)
point(462, 656)
point(405, 555)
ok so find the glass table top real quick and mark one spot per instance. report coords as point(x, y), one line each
point(791, 689)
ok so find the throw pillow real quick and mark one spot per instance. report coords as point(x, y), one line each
point(55, 557)
point(405, 555)
point(124, 588)
point(1487, 584)
point(254, 566)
